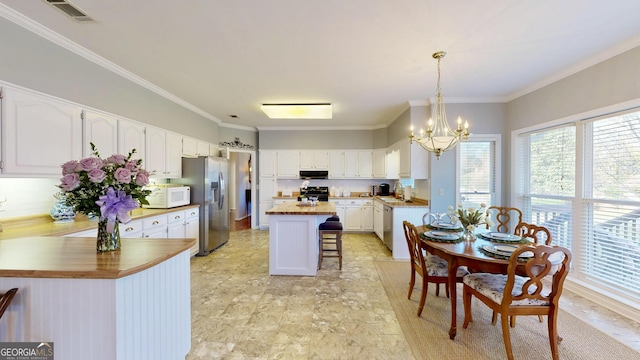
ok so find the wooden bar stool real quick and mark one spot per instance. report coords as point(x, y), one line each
point(330, 240)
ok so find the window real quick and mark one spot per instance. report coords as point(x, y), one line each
point(582, 181)
point(477, 171)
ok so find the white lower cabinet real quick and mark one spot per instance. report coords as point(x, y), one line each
point(131, 230)
point(175, 227)
point(192, 228)
point(378, 219)
point(355, 214)
point(155, 227)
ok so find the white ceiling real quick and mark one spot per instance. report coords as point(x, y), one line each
point(369, 58)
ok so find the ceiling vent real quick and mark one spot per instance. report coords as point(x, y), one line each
point(71, 10)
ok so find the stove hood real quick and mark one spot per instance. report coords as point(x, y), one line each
point(313, 174)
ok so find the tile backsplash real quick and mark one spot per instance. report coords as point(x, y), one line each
point(26, 196)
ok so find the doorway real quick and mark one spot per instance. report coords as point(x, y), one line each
point(241, 189)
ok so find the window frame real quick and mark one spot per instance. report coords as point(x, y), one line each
point(497, 139)
point(577, 281)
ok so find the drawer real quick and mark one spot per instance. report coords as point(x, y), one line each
point(284, 201)
point(130, 228)
point(152, 222)
point(175, 217)
point(192, 213)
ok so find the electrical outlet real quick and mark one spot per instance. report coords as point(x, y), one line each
point(441, 192)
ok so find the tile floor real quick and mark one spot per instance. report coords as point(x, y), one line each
point(240, 312)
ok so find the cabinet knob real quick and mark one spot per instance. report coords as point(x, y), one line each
point(177, 217)
point(155, 222)
point(128, 229)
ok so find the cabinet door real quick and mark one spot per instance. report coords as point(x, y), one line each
point(336, 164)
point(377, 221)
point(202, 148)
point(173, 160)
point(351, 164)
point(156, 150)
point(264, 218)
point(131, 136)
point(365, 164)
point(405, 159)
point(102, 131)
point(39, 133)
point(189, 147)
point(288, 164)
point(192, 229)
point(353, 218)
point(214, 150)
point(267, 189)
point(380, 163)
point(176, 231)
point(367, 218)
point(268, 163)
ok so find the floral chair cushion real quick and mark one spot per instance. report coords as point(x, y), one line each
point(437, 266)
point(492, 286)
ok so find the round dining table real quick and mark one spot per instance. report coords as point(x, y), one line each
point(462, 253)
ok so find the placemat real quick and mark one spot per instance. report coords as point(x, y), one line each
point(434, 239)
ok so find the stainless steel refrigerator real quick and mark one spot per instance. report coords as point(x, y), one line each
point(207, 176)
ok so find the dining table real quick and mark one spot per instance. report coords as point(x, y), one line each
point(459, 252)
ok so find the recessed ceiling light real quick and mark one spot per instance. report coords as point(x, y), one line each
point(298, 111)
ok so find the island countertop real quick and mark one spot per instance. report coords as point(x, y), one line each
point(321, 208)
point(76, 257)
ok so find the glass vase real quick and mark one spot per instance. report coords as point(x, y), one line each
point(469, 235)
point(108, 241)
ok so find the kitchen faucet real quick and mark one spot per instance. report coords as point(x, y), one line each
point(397, 189)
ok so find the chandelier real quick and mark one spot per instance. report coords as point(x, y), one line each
point(439, 137)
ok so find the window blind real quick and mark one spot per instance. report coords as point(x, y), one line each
point(477, 173)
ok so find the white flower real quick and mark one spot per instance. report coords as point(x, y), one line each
point(471, 227)
point(450, 208)
point(483, 205)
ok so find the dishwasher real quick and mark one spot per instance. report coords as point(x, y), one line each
point(387, 228)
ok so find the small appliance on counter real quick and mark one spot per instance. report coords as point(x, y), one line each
point(384, 189)
point(166, 196)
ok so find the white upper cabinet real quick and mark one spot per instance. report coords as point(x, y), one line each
point(164, 150)
point(131, 135)
point(173, 160)
point(414, 161)
point(101, 130)
point(268, 163)
point(39, 133)
point(336, 164)
point(314, 160)
point(189, 147)
point(288, 164)
point(358, 164)
point(202, 148)
point(380, 163)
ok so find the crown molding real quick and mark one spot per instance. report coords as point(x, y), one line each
point(238, 127)
point(52, 36)
point(289, 128)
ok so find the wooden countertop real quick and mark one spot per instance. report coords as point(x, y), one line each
point(322, 208)
point(77, 258)
point(44, 225)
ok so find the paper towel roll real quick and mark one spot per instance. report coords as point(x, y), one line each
point(407, 192)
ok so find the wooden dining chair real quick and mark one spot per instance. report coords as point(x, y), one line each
point(432, 268)
point(505, 219)
point(539, 234)
point(5, 300)
point(525, 294)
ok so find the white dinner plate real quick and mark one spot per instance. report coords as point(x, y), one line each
point(443, 235)
point(505, 248)
point(443, 225)
point(503, 236)
point(500, 250)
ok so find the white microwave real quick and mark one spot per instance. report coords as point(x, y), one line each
point(165, 197)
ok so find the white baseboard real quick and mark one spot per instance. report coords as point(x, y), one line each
point(608, 300)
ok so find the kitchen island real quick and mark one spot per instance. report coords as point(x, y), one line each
point(133, 303)
point(293, 237)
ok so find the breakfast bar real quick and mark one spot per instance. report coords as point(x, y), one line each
point(132, 303)
point(293, 237)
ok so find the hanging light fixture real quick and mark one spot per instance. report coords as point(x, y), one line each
point(439, 137)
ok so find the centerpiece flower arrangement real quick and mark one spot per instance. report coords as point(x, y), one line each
point(469, 217)
point(110, 188)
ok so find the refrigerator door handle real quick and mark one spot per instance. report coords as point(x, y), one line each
point(221, 192)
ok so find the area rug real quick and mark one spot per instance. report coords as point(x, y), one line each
point(428, 335)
